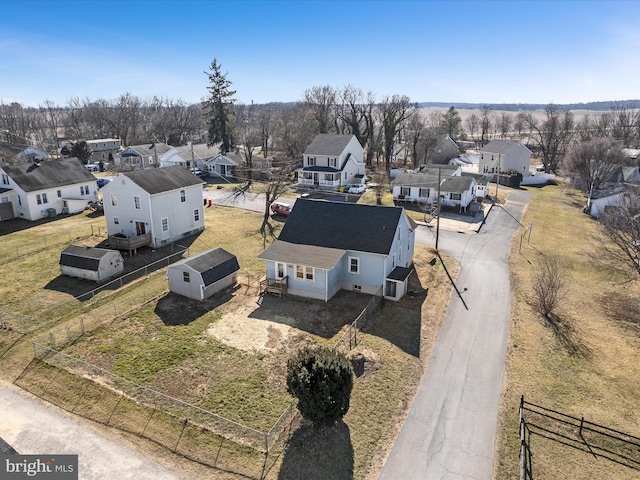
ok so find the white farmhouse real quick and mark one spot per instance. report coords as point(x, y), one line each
point(332, 161)
point(46, 189)
point(163, 204)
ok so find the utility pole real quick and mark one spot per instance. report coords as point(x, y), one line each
point(438, 218)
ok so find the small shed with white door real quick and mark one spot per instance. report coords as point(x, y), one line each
point(91, 263)
point(203, 275)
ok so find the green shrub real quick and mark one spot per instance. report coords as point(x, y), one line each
point(321, 379)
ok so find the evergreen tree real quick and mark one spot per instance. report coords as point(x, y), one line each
point(321, 379)
point(82, 151)
point(218, 108)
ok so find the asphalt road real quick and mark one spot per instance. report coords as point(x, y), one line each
point(29, 427)
point(450, 430)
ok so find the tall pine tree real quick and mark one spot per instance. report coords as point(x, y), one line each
point(218, 108)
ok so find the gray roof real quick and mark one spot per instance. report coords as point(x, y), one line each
point(87, 258)
point(158, 180)
point(328, 144)
point(213, 265)
point(342, 226)
point(144, 149)
point(426, 180)
point(201, 151)
point(500, 146)
point(318, 257)
point(32, 177)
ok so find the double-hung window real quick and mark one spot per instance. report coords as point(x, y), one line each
point(354, 265)
point(165, 224)
point(183, 196)
point(304, 273)
point(136, 202)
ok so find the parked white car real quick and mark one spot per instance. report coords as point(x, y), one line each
point(93, 167)
point(360, 188)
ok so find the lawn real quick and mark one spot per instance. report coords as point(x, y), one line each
point(585, 364)
point(168, 345)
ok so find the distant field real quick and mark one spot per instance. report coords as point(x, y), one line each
point(587, 363)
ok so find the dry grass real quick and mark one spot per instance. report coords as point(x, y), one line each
point(584, 363)
point(246, 385)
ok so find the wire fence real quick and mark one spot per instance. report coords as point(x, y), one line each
point(597, 440)
point(48, 241)
point(349, 339)
point(87, 304)
point(186, 429)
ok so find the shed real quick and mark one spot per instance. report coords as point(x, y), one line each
point(90, 263)
point(202, 275)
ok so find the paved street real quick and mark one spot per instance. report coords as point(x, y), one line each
point(30, 427)
point(450, 430)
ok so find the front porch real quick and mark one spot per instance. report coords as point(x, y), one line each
point(274, 285)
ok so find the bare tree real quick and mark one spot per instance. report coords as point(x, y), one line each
point(620, 227)
point(625, 122)
point(321, 100)
point(277, 184)
point(486, 122)
point(471, 123)
point(504, 124)
point(593, 161)
point(552, 136)
point(450, 123)
point(250, 133)
point(550, 284)
point(394, 111)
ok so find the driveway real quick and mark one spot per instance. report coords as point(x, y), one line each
point(28, 427)
point(450, 430)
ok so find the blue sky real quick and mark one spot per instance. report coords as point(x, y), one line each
point(453, 51)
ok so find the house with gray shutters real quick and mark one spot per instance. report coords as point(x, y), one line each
point(203, 275)
point(332, 161)
point(45, 189)
point(326, 246)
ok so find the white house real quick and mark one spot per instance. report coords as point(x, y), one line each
point(46, 189)
point(202, 275)
point(422, 188)
point(328, 246)
point(219, 166)
point(90, 263)
point(504, 156)
point(331, 161)
point(162, 203)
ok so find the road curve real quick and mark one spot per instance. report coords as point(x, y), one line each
point(450, 429)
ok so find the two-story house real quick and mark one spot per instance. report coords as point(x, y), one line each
point(164, 204)
point(46, 189)
point(328, 246)
point(504, 156)
point(102, 148)
point(332, 161)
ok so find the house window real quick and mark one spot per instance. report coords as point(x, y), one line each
point(354, 265)
point(406, 191)
point(196, 215)
point(311, 161)
point(19, 200)
point(165, 224)
point(185, 277)
point(304, 273)
point(424, 193)
point(393, 261)
point(114, 200)
point(280, 270)
point(456, 196)
point(41, 198)
point(59, 192)
point(183, 196)
point(116, 221)
point(332, 162)
point(84, 190)
point(136, 202)
point(5, 179)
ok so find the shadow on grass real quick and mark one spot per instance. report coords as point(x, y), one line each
point(174, 309)
point(318, 453)
point(324, 319)
point(567, 336)
point(400, 322)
